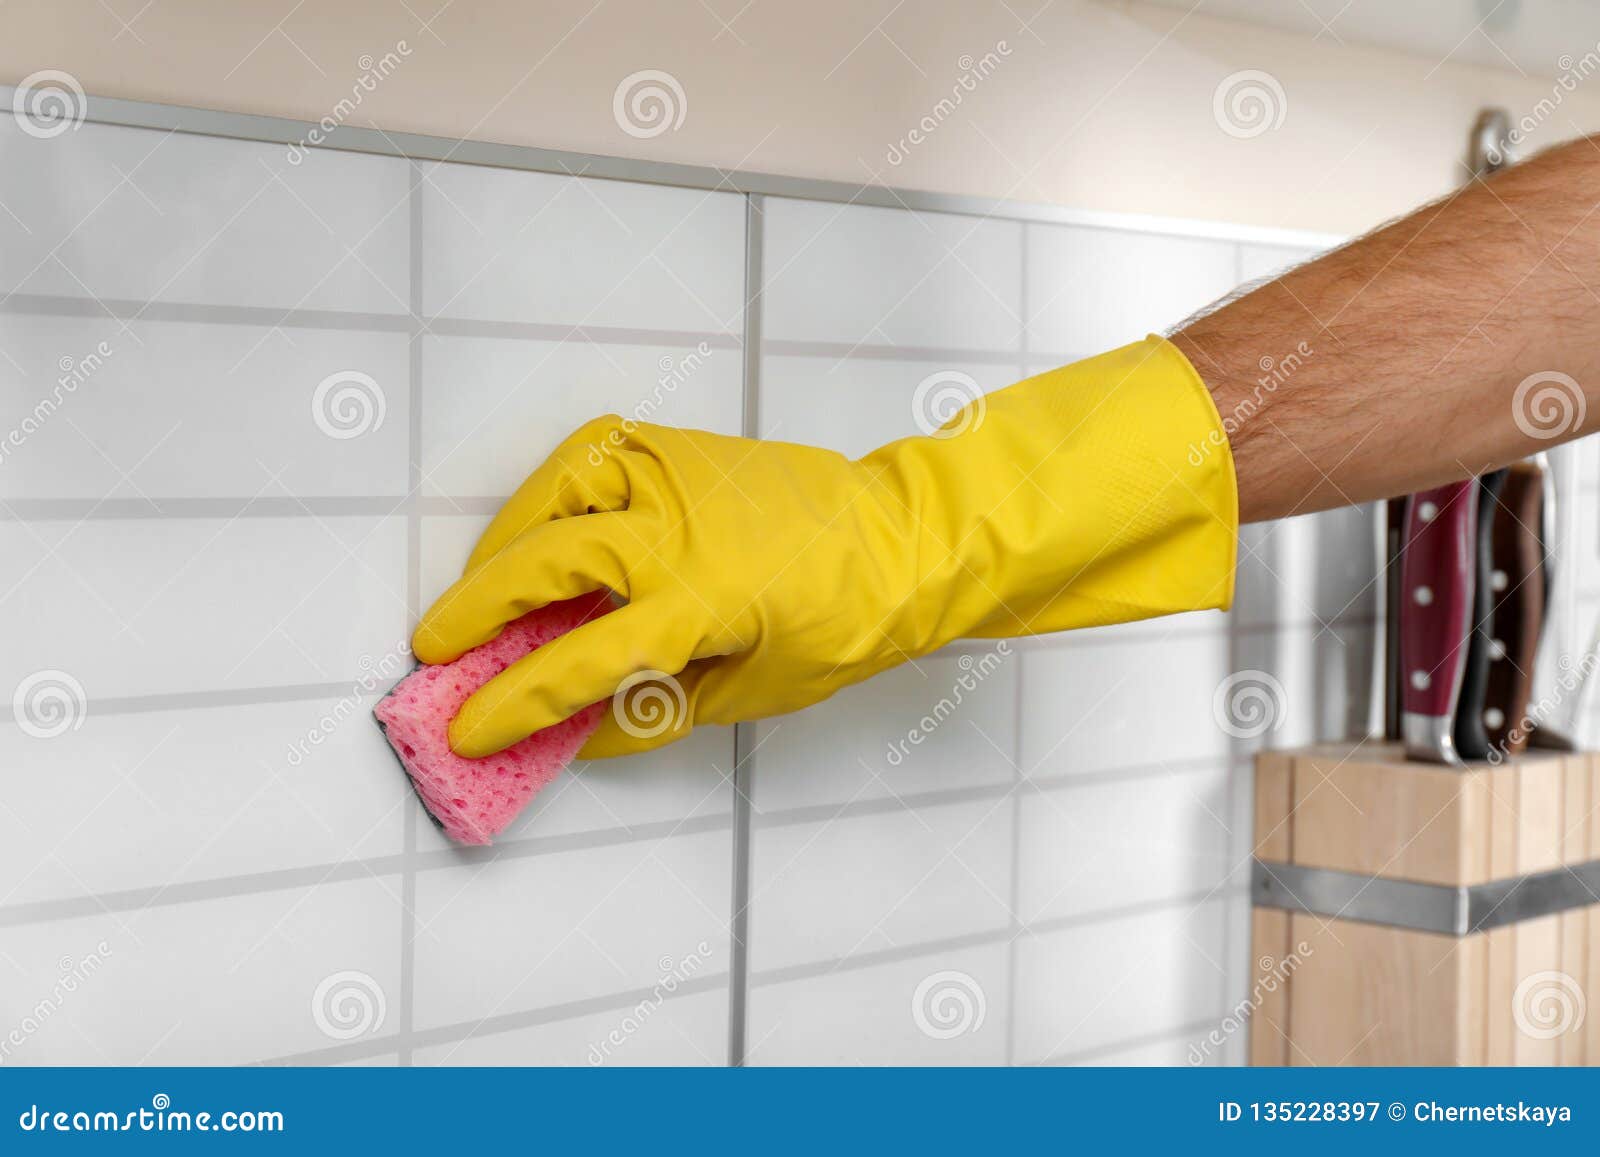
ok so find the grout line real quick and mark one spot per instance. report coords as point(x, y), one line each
point(340, 871)
point(1016, 929)
point(744, 738)
point(190, 700)
point(115, 509)
point(900, 953)
point(1122, 1044)
point(506, 1022)
point(408, 852)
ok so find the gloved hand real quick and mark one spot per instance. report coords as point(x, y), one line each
point(760, 577)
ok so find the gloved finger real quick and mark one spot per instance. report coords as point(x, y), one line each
point(583, 475)
point(567, 674)
point(648, 713)
point(559, 560)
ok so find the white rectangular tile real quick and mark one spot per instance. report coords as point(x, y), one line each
point(109, 212)
point(1093, 985)
point(93, 409)
point(1099, 846)
point(865, 883)
point(143, 606)
point(1258, 261)
point(1320, 567)
point(946, 1008)
point(1089, 708)
point(546, 930)
point(658, 1029)
point(494, 408)
point(502, 245)
point(862, 274)
point(944, 722)
point(1091, 290)
point(854, 405)
point(152, 799)
point(225, 981)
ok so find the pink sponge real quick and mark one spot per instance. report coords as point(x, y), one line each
point(474, 799)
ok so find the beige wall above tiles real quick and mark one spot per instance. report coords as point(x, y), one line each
point(1102, 106)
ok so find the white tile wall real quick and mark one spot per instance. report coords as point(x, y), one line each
point(1095, 289)
point(162, 798)
point(860, 274)
point(1073, 863)
point(209, 982)
point(536, 247)
point(137, 214)
point(173, 410)
point(502, 405)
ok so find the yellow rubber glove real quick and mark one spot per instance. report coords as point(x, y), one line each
point(761, 577)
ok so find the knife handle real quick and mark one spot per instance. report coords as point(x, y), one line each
point(1472, 738)
point(1436, 579)
point(1517, 587)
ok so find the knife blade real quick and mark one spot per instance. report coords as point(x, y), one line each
point(1557, 694)
point(1436, 577)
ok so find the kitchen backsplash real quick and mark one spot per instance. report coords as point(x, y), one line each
point(299, 391)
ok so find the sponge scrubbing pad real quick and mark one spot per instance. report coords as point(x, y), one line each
point(474, 799)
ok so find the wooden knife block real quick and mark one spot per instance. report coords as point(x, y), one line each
point(1332, 990)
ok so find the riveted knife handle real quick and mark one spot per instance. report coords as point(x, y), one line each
point(1517, 588)
point(1437, 588)
point(1472, 738)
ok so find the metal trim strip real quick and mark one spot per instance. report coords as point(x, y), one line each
point(1437, 908)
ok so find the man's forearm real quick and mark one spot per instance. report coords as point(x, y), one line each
point(1394, 363)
